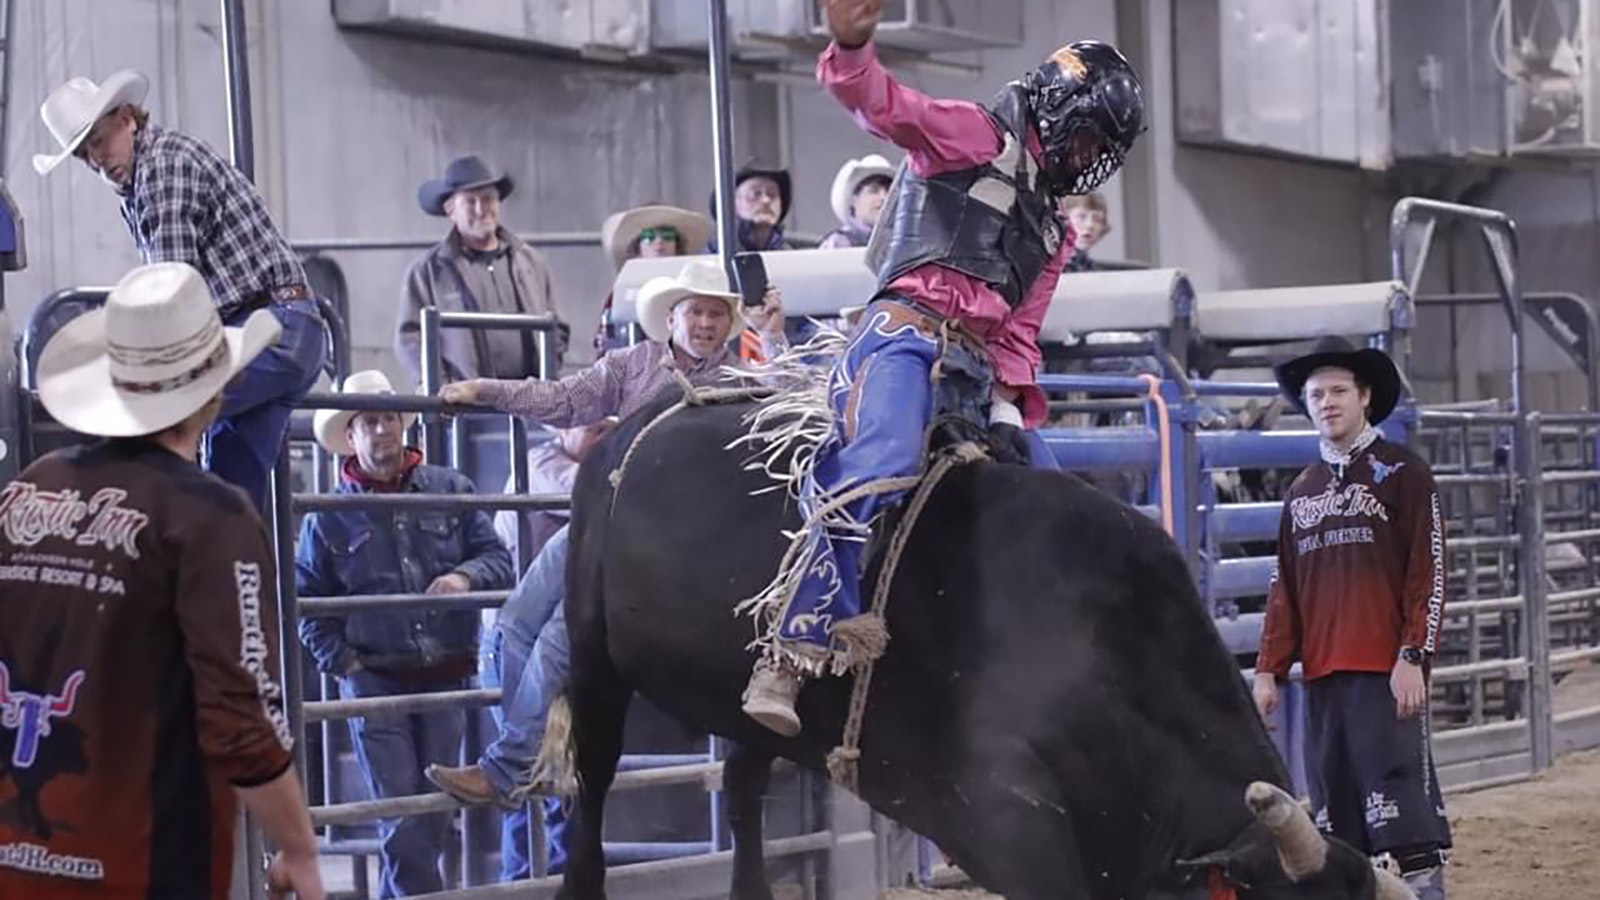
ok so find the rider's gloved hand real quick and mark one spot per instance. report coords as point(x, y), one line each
point(1007, 439)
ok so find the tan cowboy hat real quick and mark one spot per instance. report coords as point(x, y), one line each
point(152, 356)
point(850, 176)
point(619, 231)
point(332, 426)
point(73, 108)
point(701, 278)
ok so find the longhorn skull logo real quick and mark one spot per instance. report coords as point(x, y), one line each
point(30, 714)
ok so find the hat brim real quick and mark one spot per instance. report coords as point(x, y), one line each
point(658, 296)
point(432, 195)
point(332, 429)
point(125, 86)
point(75, 383)
point(1373, 367)
point(845, 183)
point(620, 231)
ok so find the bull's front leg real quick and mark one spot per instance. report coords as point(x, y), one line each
point(746, 775)
point(599, 711)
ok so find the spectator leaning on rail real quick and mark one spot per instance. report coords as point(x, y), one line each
point(478, 267)
point(967, 262)
point(1357, 598)
point(859, 189)
point(182, 202)
point(689, 320)
point(137, 620)
point(647, 232)
point(400, 651)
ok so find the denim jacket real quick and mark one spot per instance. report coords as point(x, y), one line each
point(397, 552)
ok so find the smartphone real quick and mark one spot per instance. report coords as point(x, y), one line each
point(750, 273)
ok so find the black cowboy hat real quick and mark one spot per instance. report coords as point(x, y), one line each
point(462, 174)
point(753, 169)
point(1372, 368)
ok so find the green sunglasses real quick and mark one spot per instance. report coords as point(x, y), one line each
point(664, 232)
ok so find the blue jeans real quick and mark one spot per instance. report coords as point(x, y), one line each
point(248, 435)
point(533, 665)
point(393, 749)
point(515, 863)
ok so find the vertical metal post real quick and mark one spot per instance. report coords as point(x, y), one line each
point(236, 71)
point(1536, 628)
point(429, 349)
point(288, 605)
point(722, 128)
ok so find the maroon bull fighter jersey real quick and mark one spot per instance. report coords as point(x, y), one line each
point(136, 675)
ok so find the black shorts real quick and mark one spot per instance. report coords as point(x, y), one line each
point(1371, 775)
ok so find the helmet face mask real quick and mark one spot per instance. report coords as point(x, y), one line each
point(1088, 106)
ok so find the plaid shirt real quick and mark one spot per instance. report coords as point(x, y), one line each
point(621, 382)
point(188, 204)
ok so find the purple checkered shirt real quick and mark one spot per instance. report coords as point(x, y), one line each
point(618, 384)
point(188, 204)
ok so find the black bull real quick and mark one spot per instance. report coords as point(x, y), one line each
point(1055, 710)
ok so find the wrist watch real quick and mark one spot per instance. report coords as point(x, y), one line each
point(1413, 655)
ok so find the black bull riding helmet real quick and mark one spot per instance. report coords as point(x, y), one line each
point(1088, 106)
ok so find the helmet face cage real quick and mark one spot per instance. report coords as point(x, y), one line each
point(1086, 127)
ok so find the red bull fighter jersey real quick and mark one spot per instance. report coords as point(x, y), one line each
point(137, 671)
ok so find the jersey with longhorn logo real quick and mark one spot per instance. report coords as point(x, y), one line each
point(136, 687)
point(1360, 566)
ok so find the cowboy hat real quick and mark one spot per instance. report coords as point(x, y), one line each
point(850, 176)
point(332, 426)
point(152, 356)
point(1372, 368)
point(755, 169)
point(462, 174)
point(622, 229)
point(701, 278)
point(72, 109)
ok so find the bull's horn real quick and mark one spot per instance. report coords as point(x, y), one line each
point(1391, 887)
point(1301, 848)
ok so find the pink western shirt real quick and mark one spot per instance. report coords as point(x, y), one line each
point(946, 136)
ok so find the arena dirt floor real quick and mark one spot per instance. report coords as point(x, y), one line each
point(1536, 840)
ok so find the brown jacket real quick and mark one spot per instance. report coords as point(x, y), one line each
point(455, 280)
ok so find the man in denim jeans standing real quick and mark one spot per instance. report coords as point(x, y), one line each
point(182, 202)
point(410, 651)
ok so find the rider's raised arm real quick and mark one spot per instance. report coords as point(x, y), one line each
point(937, 135)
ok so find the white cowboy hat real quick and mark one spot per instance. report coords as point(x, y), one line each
point(152, 356)
point(850, 176)
point(332, 426)
point(622, 228)
point(73, 108)
point(701, 278)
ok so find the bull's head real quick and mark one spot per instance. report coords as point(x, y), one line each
point(30, 714)
point(1287, 858)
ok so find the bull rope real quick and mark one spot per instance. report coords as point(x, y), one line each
point(692, 396)
point(843, 760)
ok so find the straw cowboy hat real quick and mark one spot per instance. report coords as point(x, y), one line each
point(1373, 368)
point(701, 278)
point(620, 231)
point(151, 357)
point(73, 108)
point(332, 426)
point(462, 174)
point(850, 176)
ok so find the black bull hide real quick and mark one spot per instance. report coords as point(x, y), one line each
point(1055, 710)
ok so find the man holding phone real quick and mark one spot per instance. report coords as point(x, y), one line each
point(967, 264)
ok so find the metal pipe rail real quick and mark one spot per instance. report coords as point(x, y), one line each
point(429, 502)
point(708, 775)
point(332, 710)
point(649, 873)
point(363, 603)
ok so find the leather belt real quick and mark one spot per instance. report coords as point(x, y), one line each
point(262, 299)
point(905, 312)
